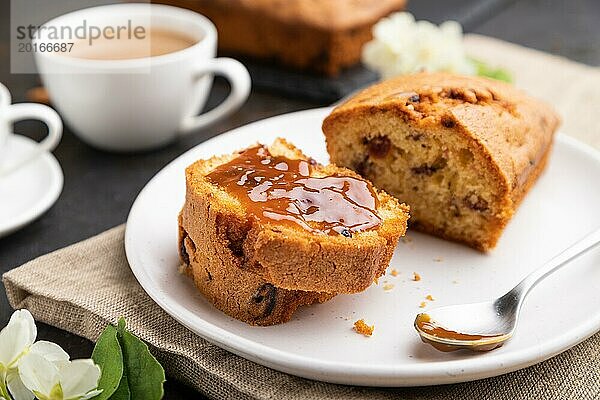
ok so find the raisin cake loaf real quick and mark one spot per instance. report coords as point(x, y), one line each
point(316, 35)
point(461, 151)
point(297, 225)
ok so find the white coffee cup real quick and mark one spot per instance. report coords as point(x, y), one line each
point(9, 114)
point(141, 103)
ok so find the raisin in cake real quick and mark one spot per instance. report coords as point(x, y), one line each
point(461, 151)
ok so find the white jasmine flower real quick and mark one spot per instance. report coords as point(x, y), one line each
point(402, 45)
point(62, 380)
point(41, 369)
point(15, 339)
point(49, 351)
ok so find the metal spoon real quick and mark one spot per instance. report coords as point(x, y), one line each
point(487, 325)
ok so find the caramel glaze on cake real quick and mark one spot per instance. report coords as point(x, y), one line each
point(461, 151)
point(281, 190)
point(268, 224)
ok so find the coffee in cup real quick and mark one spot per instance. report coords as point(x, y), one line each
point(156, 42)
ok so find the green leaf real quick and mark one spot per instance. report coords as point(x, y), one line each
point(107, 354)
point(122, 392)
point(484, 69)
point(129, 371)
point(145, 376)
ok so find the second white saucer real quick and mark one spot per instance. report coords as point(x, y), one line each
point(30, 191)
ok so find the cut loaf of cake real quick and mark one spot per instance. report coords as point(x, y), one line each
point(314, 35)
point(296, 224)
point(461, 151)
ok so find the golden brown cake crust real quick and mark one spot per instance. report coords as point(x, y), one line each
point(510, 132)
point(316, 35)
point(291, 258)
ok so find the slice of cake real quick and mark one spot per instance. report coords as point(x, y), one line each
point(296, 224)
point(461, 151)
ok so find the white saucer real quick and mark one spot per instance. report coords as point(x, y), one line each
point(28, 192)
point(319, 343)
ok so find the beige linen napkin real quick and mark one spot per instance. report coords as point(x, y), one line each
point(84, 287)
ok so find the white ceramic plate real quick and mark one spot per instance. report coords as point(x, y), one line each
point(319, 342)
point(30, 191)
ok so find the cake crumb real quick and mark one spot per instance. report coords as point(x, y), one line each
point(376, 281)
point(422, 305)
point(416, 277)
point(183, 269)
point(438, 259)
point(394, 272)
point(429, 297)
point(455, 282)
point(388, 286)
point(361, 327)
